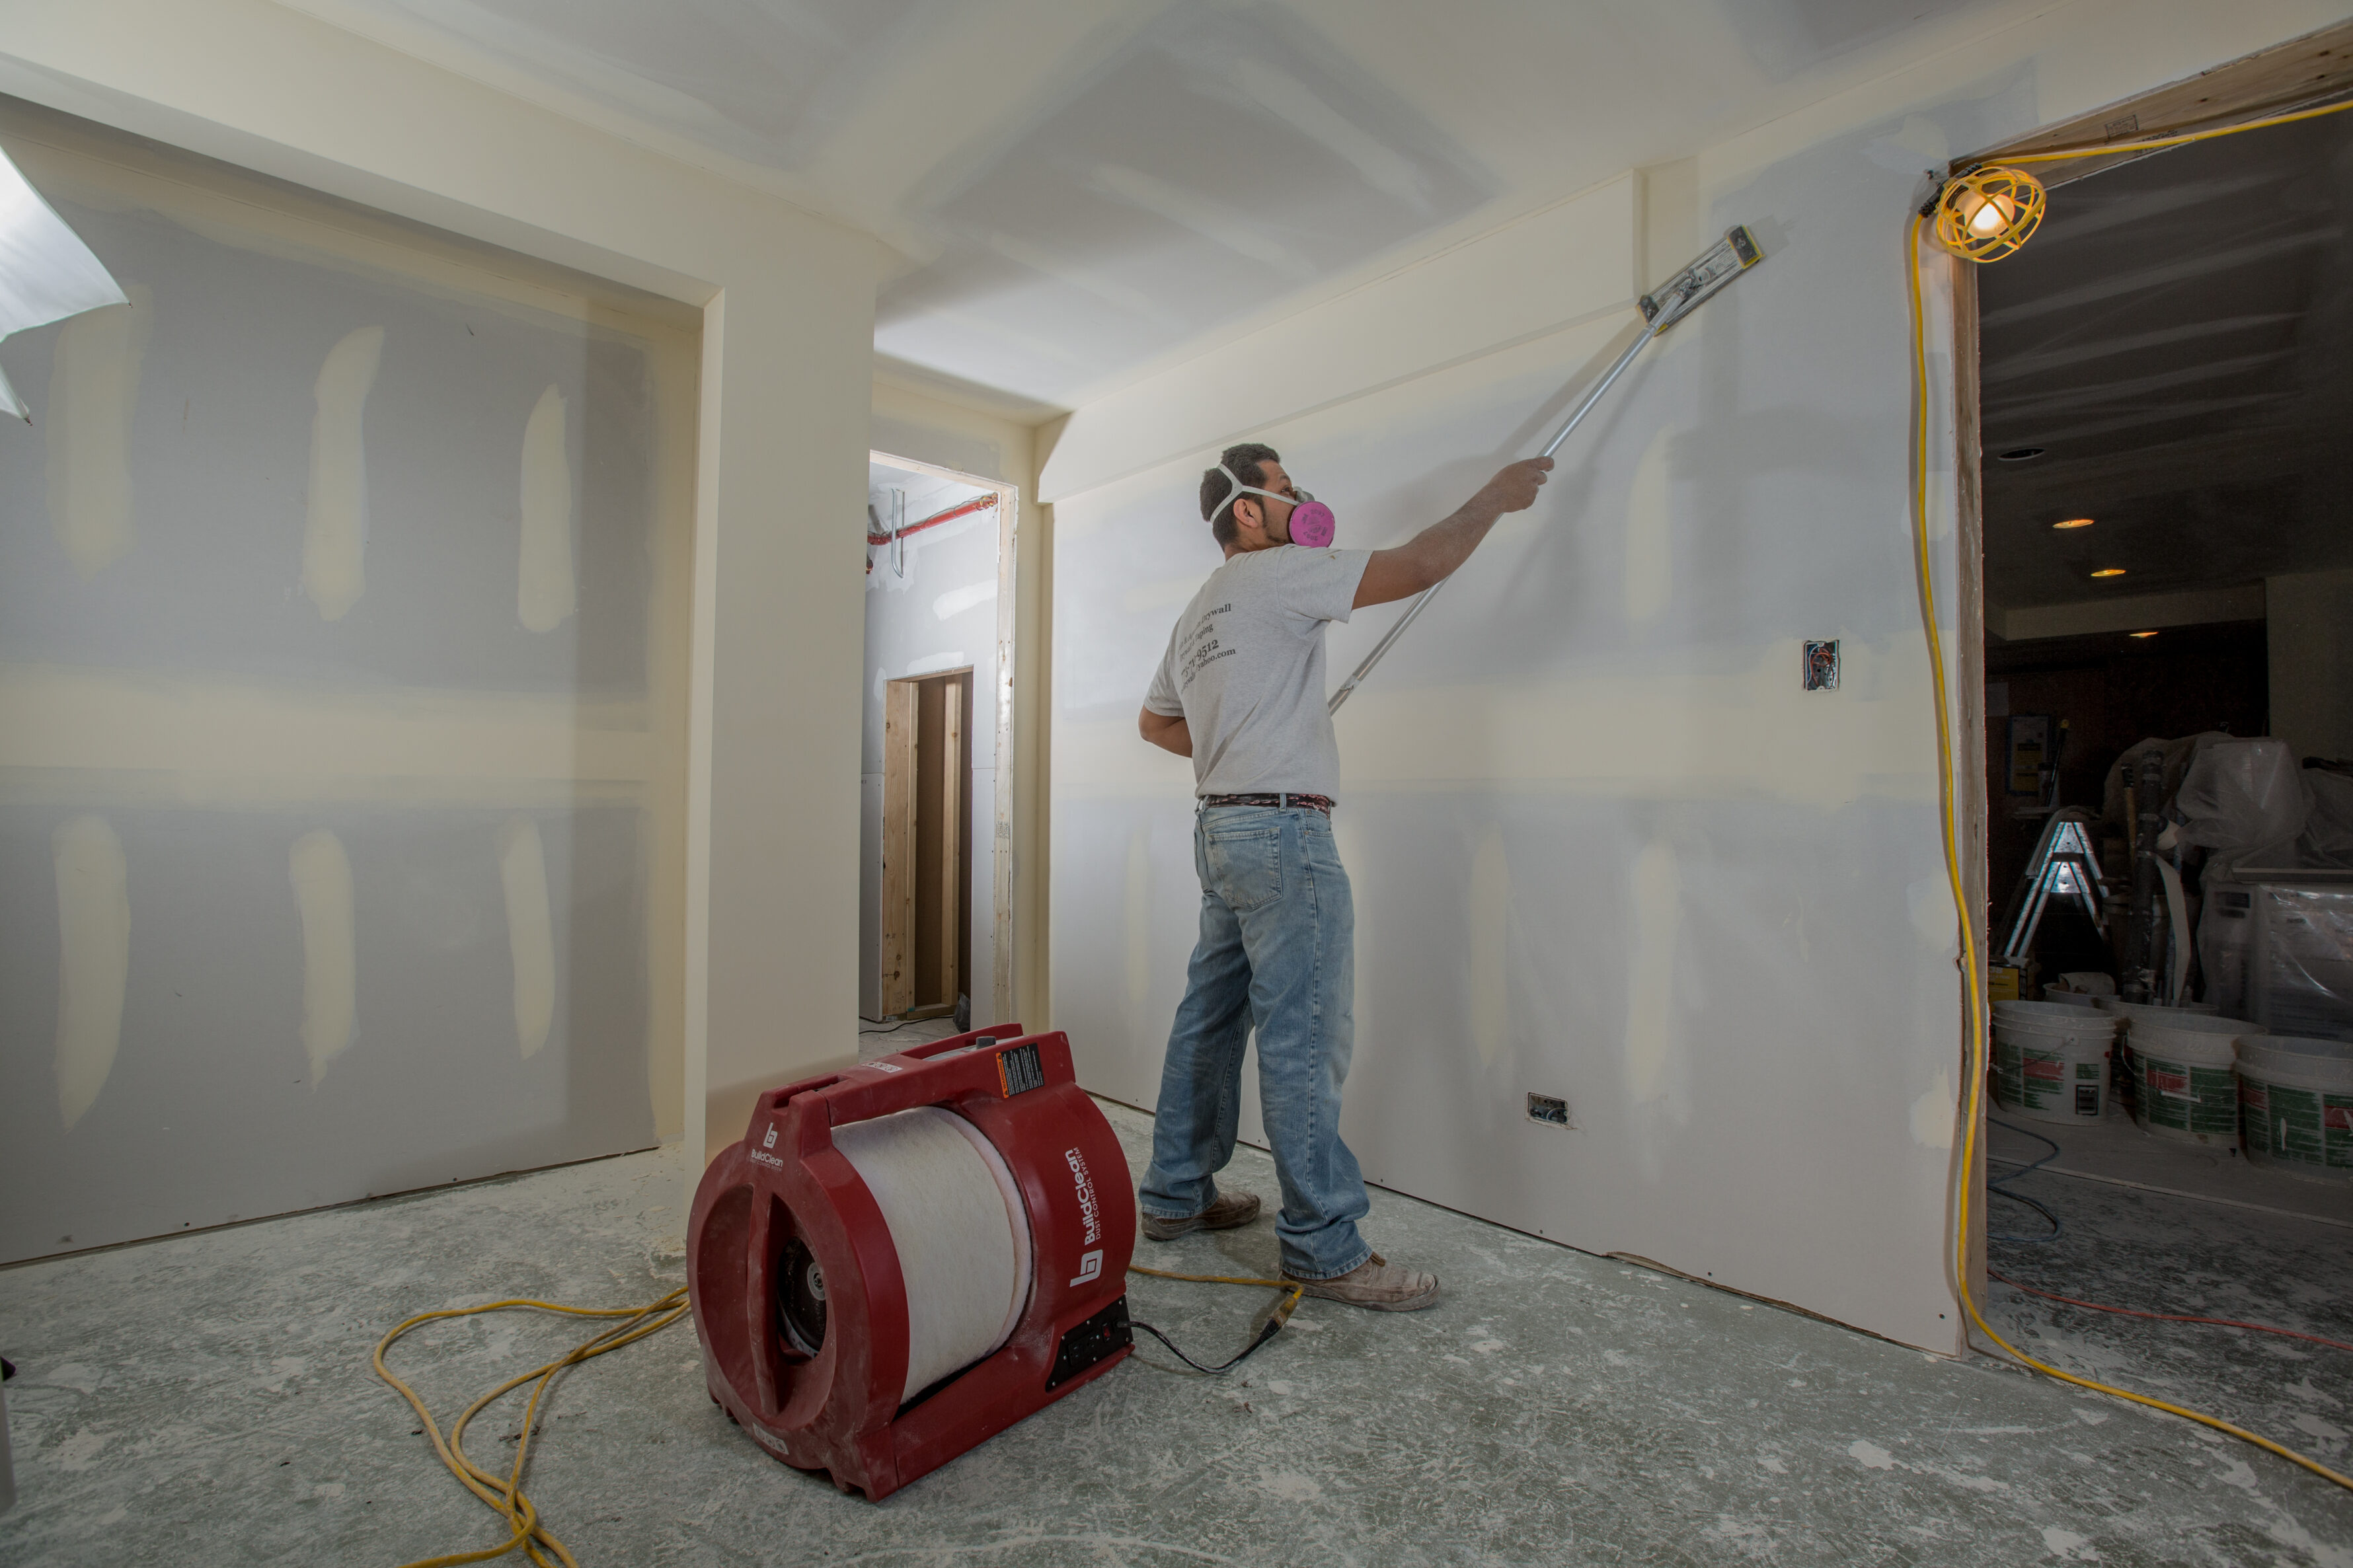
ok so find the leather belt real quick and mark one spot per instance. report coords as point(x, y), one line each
point(1322, 803)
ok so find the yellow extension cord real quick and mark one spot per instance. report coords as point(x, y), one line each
point(506, 1497)
point(1282, 1313)
point(1947, 791)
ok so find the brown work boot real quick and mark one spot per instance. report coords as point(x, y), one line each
point(1229, 1210)
point(1376, 1283)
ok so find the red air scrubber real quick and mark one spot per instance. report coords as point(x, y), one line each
point(900, 1261)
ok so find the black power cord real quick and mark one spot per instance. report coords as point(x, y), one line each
point(2002, 1186)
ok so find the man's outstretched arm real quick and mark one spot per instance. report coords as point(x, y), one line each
point(1429, 557)
point(1168, 734)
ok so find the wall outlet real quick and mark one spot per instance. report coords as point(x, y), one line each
point(1551, 1111)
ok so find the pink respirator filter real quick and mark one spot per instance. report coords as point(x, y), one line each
point(1311, 524)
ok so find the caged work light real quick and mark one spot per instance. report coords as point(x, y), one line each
point(1986, 213)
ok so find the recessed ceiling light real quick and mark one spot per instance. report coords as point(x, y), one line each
point(2109, 572)
point(2143, 634)
point(2020, 454)
point(2073, 523)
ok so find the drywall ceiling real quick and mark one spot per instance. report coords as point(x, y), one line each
point(1078, 189)
point(2176, 338)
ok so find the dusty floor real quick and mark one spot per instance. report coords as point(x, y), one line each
point(206, 1400)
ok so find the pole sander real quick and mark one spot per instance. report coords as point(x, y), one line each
point(1662, 307)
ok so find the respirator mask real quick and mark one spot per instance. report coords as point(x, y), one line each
point(1311, 522)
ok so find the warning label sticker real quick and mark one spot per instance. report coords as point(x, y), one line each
point(1019, 1070)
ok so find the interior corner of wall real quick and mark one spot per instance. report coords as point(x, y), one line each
point(1666, 232)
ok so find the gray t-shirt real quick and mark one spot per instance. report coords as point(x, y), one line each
point(1245, 671)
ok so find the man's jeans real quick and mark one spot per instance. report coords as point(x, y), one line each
point(1277, 947)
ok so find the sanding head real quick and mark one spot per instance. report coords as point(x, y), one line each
point(1688, 290)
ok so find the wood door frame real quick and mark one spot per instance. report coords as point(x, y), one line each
point(2301, 72)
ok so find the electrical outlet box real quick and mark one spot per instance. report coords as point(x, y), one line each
point(1821, 666)
point(1550, 1110)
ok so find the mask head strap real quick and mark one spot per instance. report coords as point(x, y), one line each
point(1240, 489)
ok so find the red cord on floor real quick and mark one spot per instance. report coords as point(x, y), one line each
point(2169, 1317)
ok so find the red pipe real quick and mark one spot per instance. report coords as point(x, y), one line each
point(978, 503)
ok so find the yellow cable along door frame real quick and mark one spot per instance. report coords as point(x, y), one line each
point(1948, 791)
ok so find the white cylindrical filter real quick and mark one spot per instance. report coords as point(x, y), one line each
point(2051, 1060)
point(961, 1230)
point(2183, 1084)
point(2295, 1105)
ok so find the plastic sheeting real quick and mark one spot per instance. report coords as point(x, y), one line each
point(2238, 795)
point(46, 273)
point(2281, 953)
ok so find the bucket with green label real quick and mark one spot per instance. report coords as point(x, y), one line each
point(2295, 1105)
point(2051, 1060)
point(2184, 1082)
point(2121, 1072)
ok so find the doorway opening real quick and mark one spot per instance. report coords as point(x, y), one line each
point(936, 888)
point(2155, 390)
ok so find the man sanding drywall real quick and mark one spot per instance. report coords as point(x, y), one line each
point(1241, 691)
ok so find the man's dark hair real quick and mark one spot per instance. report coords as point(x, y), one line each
point(1216, 492)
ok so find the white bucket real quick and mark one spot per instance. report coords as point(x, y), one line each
point(2051, 1060)
point(2295, 1103)
point(2183, 1084)
point(2068, 998)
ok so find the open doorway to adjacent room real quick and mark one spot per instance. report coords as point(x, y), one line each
point(935, 891)
point(2161, 383)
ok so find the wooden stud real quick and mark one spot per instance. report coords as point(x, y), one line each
point(898, 723)
point(952, 835)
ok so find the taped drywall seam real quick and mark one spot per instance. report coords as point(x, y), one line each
point(334, 541)
point(322, 874)
point(546, 593)
point(1652, 1051)
point(1490, 935)
point(1137, 920)
point(530, 930)
point(1650, 532)
point(93, 394)
point(93, 958)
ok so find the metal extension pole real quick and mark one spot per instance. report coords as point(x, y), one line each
point(1584, 406)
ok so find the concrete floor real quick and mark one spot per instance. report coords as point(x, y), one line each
point(207, 1400)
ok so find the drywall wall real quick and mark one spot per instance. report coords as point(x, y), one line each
point(1604, 847)
point(2309, 622)
point(285, 534)
point(931, 606)
point(767, 967)
point(955, 429)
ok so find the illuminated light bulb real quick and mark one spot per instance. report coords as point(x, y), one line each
point(1987, 213)
point(1991, 215)
point(2143, 634)
point(2073, 523)
point(2109, 572)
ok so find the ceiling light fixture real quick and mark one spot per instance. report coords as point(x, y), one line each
point(2109, 572)
point(1987, 213)
point(2020, 454)
point(2143, 634)
point(2073, 523)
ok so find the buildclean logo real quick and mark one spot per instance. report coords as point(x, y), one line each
point(1090, 1214)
